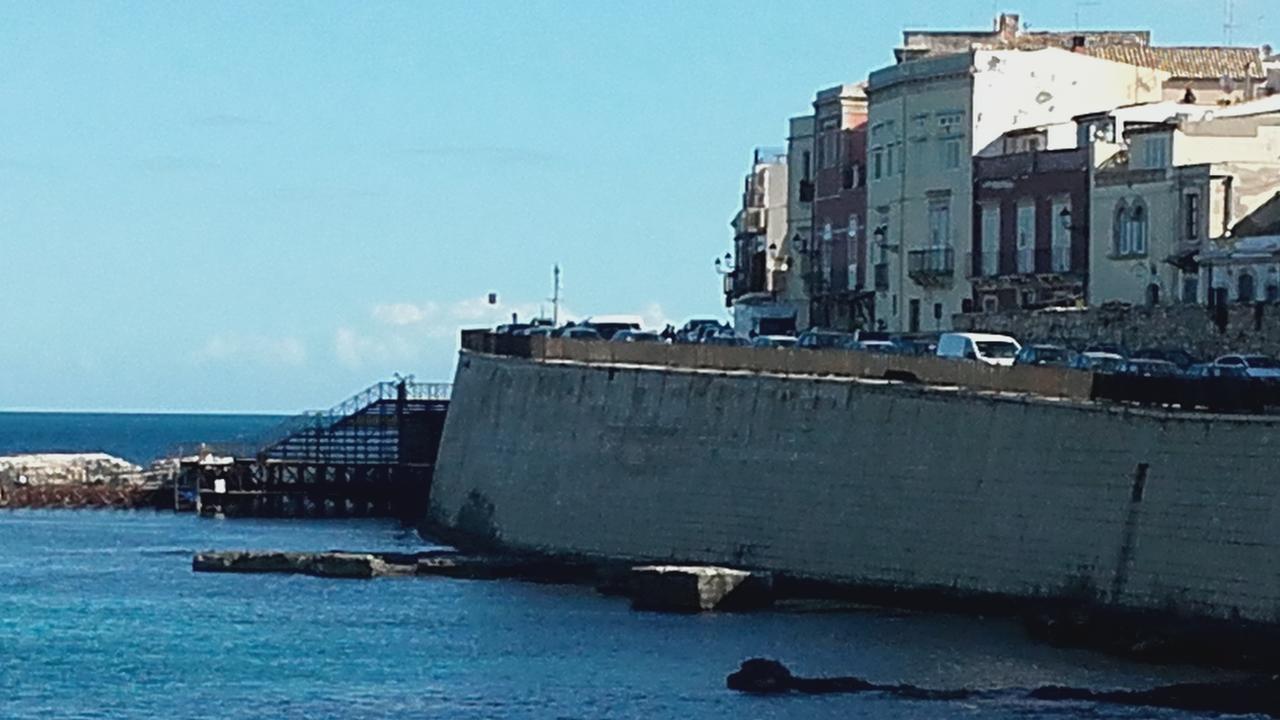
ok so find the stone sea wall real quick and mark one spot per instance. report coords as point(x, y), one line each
point(1199, 329)
point(866, 483)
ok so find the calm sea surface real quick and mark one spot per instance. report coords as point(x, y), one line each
point(101, 617)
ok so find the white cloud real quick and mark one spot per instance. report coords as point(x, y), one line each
point(404, 313)
point(262, 349)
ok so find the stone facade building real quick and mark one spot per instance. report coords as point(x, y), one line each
point(756, 275)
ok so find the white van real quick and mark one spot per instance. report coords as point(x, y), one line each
point(983, 347)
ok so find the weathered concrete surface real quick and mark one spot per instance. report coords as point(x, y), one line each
point(697, 588)
point(329, 564)
point(867, 484)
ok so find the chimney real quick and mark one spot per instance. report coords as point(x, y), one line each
point(1007, 26)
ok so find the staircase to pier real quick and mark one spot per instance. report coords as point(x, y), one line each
point(372, 454)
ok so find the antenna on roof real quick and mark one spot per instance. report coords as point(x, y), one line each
point(1080, 4)
point(1228, 20)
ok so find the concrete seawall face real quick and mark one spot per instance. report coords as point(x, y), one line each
point(865, 483)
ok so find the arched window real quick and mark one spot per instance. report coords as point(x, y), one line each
point(1245, 288)
point(1153, 294)
point(1138, 228)
point(1129, 228)
point(1119, 243)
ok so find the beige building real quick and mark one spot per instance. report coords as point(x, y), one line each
point(755, 277)
point(800, 177)
point(1213, 74)
point(1158, 197)
point(928, 118)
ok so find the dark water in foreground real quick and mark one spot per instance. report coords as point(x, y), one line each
point(101, 617)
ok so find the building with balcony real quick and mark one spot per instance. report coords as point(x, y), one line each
point(836, 276)
point(799, 235)
point(1160, 194)
point(755, 277)
point(927, 119)
point(1030, 245)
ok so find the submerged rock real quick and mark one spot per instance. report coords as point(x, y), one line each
point(1253, 696)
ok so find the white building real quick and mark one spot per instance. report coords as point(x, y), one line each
point(928, 119)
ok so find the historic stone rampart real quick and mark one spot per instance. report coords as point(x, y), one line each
point(874, 484)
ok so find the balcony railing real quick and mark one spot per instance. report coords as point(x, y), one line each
point(1026, 261)
point(882, 276)
point(931, 263)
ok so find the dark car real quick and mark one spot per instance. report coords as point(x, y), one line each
point(1105, 363)
point(729, 338)
point(817, 339)
point(1044, 355)
point(692, 331)
point(1142, 367)
point(578, 332)
point(1213, 370)
point(636, 336)
point(511, 328)
point(1179, 357)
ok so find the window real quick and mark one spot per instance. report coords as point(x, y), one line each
point(877, 163)
point(889, 160)
point(1245, 288)
point(951, 153)
point(1190, 287)
point(1026, 238)
point(1129, 229)
point(939, 223)
point(846, 177)
point(1060, 238)
point(990, 304)
point(807, 165)
point(1191, 215)
point(989, 261)
point(1155, 151)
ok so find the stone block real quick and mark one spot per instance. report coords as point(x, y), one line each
point(250, 562)
point(697, 588)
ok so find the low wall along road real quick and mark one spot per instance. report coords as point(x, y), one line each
point(874, 484)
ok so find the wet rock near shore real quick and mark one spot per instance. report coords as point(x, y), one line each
point(1253, 696)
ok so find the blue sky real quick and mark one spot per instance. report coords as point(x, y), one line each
point(266, 206)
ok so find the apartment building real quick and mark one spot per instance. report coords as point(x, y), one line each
point(1031, 221)
point(799, 235)
point(755, 277)
point(928, 118)
point(1170, 193)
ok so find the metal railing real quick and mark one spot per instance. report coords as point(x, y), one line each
point(931, 262)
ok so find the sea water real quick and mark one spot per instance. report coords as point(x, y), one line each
point(102, 617)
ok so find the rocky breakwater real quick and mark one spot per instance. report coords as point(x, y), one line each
point(73, 480)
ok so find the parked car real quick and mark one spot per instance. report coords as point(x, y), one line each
point(511, 328)
point(1214, 370)
point(538, 330)
point(578, 332)
point(692, 330)
point(729, 339)
point(819, 339)
point(607, 325)
point(1044, 355)
point(1145, 367)
point(773, 341)
point(1179, 357)
point(1105, 363)
point(878, 346)
point(983, 347)
point(633, 336)
point(1258, 366)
